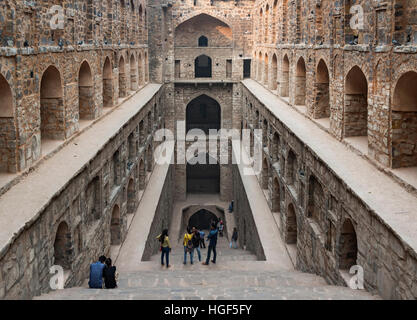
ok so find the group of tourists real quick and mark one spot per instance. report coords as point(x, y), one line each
point(194, 241)
point(103, 270)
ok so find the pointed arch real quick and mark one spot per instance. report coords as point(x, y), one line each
point(133, 75)
point(300, 82)
point(52, 105)
point(203, 66)
point(63, 246)
point(348, 247)
point(356, 103)
point(115, 228)
point(108, 91)
point(122, 78)
point(321, 107)
point(291, 225)
point(85, 92)
point(285, 77)
point(404, 117)
point(274, 72)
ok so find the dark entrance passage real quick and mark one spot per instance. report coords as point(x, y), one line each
point(203, 178)
point(203, 113)
point(203, 67)
point(202, 219)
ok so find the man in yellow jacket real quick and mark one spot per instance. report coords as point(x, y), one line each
point(188, 245)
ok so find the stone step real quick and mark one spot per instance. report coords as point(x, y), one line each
point(212, 284)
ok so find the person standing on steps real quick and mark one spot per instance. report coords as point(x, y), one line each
point(196, 243)
point(188, 245)
point(202, 243)
point(234, 238)
point(110, 275)
point(212, 237)
point(221, 227)
point(165, 247)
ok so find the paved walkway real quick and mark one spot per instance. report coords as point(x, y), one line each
point(51, 176)
point(236, 275)
point(396, 207)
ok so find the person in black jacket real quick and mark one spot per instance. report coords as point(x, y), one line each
point(196, 239)
point(109, 275)
point(234, 238)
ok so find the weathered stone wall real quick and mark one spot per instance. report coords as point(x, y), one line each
point(243, 212)
point(93, 208)
point(92, 30)
point(334, 228)
point(383, 50)
point(163, 215)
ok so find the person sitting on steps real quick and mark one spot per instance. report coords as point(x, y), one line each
point(96, 274)
point(110, 275)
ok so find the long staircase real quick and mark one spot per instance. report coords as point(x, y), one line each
point(236, 275)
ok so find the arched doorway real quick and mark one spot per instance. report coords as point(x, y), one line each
point(140, 70)
point(203, 177)
point(115, 234)
point(404, 118)
point(133, 76)
point(62, 246)
point(274, 72)
point(322, 101)
point(202, 219)
point(203, 41)
point(266, 70)
point(275, 147)
point(259, 68)
point(131, 196)
point(203, 113)
point(356, 104)
point(291, 225)
point(107, 84)
point(149, 158)
point(6, 99)
point(316, 205)
point(202, 66)
point(275, 196)
point(291, 175)
point(285, 77)
point(122, 78)
point(300, 83)
point(348, 248)
point(8, 136)
point(85, 92)
point(52, 105)
point(265, 174)
point(142, 175)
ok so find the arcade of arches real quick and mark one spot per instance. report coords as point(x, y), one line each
point(80, 108)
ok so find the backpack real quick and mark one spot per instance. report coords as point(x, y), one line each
point(196, 239)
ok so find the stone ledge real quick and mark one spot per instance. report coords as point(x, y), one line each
point(360, 176)
point(53, 175)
